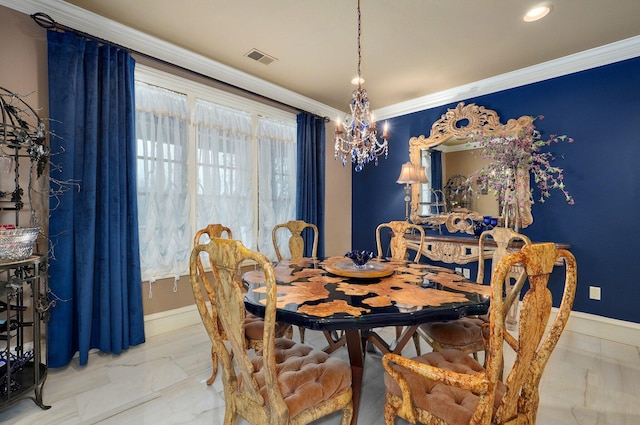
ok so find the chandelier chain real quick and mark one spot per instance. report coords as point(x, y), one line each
point(357, 140)
point(359, 45)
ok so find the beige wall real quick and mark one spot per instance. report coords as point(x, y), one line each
point(23, 49)
point(23, 69)
point(337, 201)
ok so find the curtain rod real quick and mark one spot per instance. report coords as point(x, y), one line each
point(47, 22)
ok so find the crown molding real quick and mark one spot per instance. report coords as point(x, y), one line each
point(106, 29)
point(592, 58)
point(80, 19)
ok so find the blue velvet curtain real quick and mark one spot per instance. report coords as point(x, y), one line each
point(94, 273)
point(311, 175)
point(436, 170)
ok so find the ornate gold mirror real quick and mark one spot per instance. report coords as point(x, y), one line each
point(454, 129)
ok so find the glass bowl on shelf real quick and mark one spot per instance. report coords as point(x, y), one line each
point(17, 244)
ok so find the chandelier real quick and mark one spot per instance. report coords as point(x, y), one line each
point(357, 138)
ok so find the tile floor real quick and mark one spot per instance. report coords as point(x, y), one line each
point(588, 381)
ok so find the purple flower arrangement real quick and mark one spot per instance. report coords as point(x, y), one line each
point(506, 154)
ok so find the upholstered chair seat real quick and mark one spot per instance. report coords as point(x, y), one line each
point(464, 334)
point(307, 377)
point(254, 328)
point(454, 405)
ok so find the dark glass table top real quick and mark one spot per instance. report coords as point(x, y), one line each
point(311, 297)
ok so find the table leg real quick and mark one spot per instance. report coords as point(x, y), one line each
point(407, 335)
point(335, 341)
point(356, 359)
point(396, 346)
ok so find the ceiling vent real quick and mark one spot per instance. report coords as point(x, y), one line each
point(261, 57)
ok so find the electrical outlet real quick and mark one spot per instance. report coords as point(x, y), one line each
point(594, 293)
point(466, 273)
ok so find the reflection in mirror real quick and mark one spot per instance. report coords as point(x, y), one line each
point(457, 165)
point(457, 193)
point(448, 157)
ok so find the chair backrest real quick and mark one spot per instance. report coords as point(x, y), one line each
point(532, 346)
point(213, 231)
point(503, 237)
point(398, 242)
point(225, 320)
point(296, 242)
point(437, 200)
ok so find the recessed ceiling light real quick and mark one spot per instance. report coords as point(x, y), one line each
point(537, 12)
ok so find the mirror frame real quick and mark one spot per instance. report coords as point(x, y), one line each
point(456, 125)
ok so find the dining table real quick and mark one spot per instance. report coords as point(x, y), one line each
point(349, 302)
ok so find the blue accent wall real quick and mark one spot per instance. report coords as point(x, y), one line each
point(600, 109)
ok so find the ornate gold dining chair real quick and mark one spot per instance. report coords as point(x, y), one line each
point(398, 242)
point(450, 387)
point(398, 248)
point(466, 334)
point(253, 325)
point(504, 238)
point(296, 244)
point(285, 382)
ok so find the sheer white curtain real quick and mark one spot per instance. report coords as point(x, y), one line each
point(162, 133)
point(225, 190)
point(277, 182)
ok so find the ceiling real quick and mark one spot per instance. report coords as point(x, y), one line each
point(410, 48)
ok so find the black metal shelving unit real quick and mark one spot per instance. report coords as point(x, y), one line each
point(23, 307)
point(23, 274)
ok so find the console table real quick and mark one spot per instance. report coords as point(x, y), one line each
point(452, 249)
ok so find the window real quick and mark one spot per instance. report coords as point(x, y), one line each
point(162, 123)
point(427, 196)
point(225, 193)
point(277, 195)
point(206, 156)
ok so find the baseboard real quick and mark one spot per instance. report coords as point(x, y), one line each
point(171, 320)
point(605, 328)
point(584, 323)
